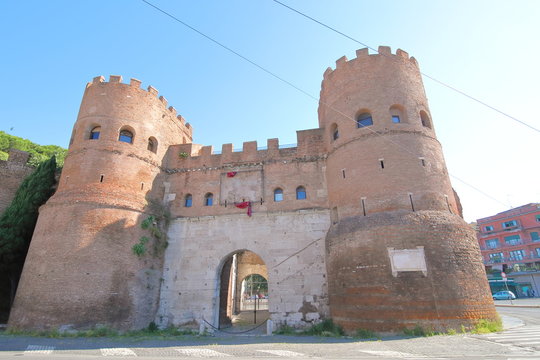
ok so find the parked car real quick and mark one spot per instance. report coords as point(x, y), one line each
point(504, 295)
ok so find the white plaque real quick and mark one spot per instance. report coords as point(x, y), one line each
point(407, 260)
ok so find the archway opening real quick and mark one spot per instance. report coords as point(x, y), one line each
point(243, 299)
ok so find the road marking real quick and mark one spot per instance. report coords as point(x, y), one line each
point(201, 352)
point(117, 352)
point(400, 355)
point(39, 349)
point(282, 353)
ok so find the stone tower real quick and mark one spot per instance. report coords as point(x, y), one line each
point(80, 268)
point(398, 252)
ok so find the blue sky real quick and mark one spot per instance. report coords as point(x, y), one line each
point(488, 49)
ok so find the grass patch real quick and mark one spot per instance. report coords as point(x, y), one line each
point(285, 330)
point(325, 328)
point(152, 331)
point(365, 334)
point(487, 326)
point(420, 331)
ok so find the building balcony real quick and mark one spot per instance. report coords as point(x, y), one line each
point(524, 241)
point(512, 260)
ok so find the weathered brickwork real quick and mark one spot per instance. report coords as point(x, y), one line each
point(12, 173)
point(358, 221)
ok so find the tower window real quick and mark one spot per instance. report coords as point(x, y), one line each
point(300, 193)
point(208, 199)
point(398, 114)
point(126, 136)
point(278, 195)
point(152, 144)
point(94, 133)
point(188, 201)
point(335, 132)
point(425, 119)
point(364, 120)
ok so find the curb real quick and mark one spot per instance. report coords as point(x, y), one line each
point(519, 306)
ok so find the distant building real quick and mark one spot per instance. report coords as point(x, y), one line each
point(510, 242)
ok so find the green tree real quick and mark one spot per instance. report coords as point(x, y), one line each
point(19, 219)
point(38, 153)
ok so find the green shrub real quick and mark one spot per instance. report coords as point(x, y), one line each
point(325, 328)
point(365, 334)
point(138, 249)
point(487, 326)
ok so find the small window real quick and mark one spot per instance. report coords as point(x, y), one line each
point(208, 199)
point(94, 133)
point(492, 243)
point(335, 132)
point(152, 145)
point(488, 228)
point(512, 240)
point(509, 224)
point(126, 136)
point(364, 120)
point(534, 236)
point(538, 218)
point(300, 193)
point(188, 201)
point(537, 252)
point(496, 258)
point(425, 119)
point(517, 255)
point(397, 112)
point(278, 195)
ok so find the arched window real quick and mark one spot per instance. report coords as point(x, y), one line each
point(152, 144)
point(300, 193)
point(94, 133)
point(278, 195)
point(364, 120)
point(397, 112)
point(188, 201)
point(126, 136)
point(335, 132)
point(424, 117)
point(208, 199)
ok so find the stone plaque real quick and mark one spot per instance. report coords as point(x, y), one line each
point(408, 260)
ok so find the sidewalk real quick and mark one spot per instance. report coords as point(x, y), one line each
point(520, 302)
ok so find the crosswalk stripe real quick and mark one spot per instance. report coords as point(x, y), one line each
point(395, 354)
point(512, 335)
point(514, 339)
point(201, 352)
point(117, 352)
point(400, 355)
point(282, 353)
point(39, 349)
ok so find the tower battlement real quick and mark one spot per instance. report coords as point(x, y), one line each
point(363, 55)
point(309, 144)
point(115, 80)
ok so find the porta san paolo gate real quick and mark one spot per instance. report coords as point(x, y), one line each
point(358, 223)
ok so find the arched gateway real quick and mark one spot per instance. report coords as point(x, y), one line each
point(243, 291)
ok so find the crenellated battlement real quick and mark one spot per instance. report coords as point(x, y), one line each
point(310, 144)
point(363, 54)
point(115, 80)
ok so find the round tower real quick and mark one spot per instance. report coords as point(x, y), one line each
point(80, 269)
point(398, 253)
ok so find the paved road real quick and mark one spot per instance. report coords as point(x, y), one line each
point(518, 343)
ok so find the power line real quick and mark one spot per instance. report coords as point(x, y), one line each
point(303, 91)
point(424, 74)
